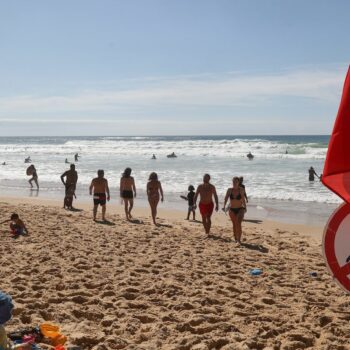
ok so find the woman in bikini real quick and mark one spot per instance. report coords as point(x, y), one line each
point(154, 191)
point(127, 192)
point(237, 207)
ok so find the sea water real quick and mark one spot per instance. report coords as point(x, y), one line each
point(276, 179)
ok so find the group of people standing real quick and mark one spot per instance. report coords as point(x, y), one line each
point(205, 194)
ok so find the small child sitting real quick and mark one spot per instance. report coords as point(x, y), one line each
point(191, 206)
point(6, 307)
point(17, 226)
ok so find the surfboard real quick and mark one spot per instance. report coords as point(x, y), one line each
point(336, 171)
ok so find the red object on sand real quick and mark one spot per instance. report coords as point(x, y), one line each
point(336, 245)
point(336, 172)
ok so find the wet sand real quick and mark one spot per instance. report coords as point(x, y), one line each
point(129, 285)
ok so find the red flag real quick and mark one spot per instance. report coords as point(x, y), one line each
point(336, 172)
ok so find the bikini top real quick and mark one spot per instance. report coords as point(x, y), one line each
point(237, 197)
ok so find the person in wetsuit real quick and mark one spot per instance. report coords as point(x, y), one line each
point(312, 174)
point(237, 207)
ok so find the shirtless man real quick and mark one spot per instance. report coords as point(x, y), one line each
point(206, 205)
point(70, 184)
point(100, 186)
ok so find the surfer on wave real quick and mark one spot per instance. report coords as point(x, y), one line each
point(172, 155)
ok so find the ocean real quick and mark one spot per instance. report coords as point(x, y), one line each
point(276, 179)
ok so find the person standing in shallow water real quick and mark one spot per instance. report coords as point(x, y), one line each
point(312, 174)
point(154, 191)
point(127, 192)
point(237, 207)
point(206, 206)
point(31, 171)
point(99, 186)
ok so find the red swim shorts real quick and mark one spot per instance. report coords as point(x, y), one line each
point(206, 209)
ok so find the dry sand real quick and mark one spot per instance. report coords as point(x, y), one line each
point(136, 286)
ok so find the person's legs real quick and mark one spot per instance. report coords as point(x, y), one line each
point(95, 211)
point(36, 182)
point(188, 214)
point(233, 219)
point(153, 203)
point(104, 212)
point(206, 223)
point(193, 214)
point(126, 208)
point(30, 182)
point(131, 205)
point(239, 219)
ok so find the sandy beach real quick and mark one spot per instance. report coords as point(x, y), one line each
point(135, 286)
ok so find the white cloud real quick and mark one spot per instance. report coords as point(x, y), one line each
point(202, 91)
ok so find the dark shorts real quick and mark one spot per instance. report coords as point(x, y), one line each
point(127, 194)
point(99, 198)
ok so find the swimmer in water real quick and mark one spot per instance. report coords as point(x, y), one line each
point(250, 156)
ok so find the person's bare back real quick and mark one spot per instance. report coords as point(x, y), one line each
point(99, 185)
point(127, 183)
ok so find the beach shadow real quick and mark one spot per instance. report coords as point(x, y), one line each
point(253, 221)
point(257, 247)
point(196, 221)
point(163, 225)
point(105, 222)
point(75, 209)
point(136, 221)
point(218, 238)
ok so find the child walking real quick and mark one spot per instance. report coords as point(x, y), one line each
point(191, 206)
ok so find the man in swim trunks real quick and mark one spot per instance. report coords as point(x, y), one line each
point(70, 184)
point(99, 185)
point(206, 206)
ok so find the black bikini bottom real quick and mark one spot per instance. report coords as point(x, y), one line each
point(236, 210)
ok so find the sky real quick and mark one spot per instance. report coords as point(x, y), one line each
point(164, 67)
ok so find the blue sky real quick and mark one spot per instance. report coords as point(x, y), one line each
point(164, 67)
